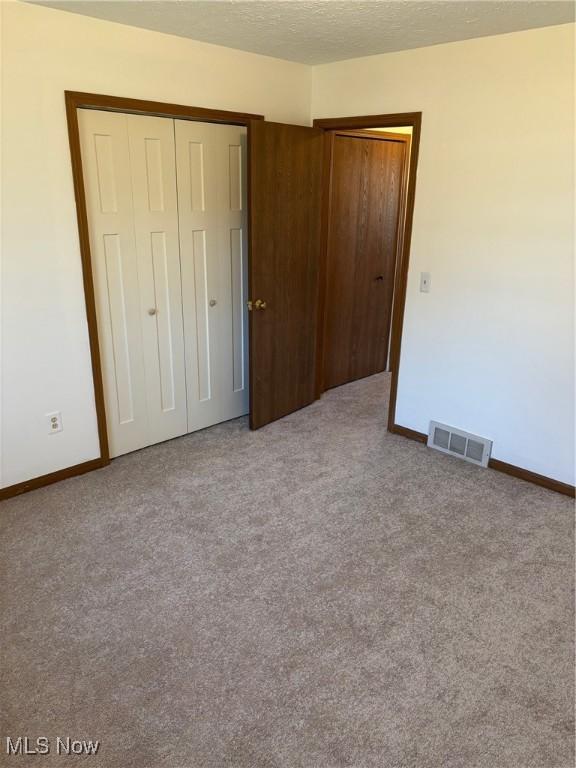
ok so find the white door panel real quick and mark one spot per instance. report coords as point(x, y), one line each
point(106, 169)
point(130, 181)
point(166, 204)
point(212, 206)
point(152, 160)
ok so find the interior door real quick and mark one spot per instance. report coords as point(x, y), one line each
point(366, 187)
point(285, 210)
point(211, 167)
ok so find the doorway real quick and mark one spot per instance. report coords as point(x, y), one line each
point(397, 122)
point(366, 207)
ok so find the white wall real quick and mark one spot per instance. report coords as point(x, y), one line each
point(491, 348)
point(46, 361)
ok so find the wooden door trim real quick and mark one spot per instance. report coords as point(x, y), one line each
point(340, 124)
point(378, 135)
point(365, 122)
point(75, 100)
point(325, 213)
point(80, 100)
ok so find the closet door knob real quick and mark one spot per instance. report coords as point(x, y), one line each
point(152, 311)
point(212, 302)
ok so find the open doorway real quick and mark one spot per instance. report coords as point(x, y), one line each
point(369, 187)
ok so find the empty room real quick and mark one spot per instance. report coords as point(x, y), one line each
point(287, 423)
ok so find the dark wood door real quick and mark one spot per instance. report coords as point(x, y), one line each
point(285, 205)
point(365, 202)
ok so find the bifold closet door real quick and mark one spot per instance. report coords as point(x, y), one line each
point(130, 183)
point(211, 170)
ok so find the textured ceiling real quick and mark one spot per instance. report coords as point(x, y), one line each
point(320, 31)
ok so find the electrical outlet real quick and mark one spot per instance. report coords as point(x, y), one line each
point(54, 422)
point(425, 282)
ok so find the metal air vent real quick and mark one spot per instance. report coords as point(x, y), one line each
point(458, 443)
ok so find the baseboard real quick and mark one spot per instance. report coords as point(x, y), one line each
point(532, 477)
point(411, 433)
point(397, 429)
point(52, 477)
point(499, 466)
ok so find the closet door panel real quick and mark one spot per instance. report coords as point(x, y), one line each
point(106, 170)
point(197, 193)
point(212, 202)
point(238, 289)
point(234, 268)
point(152, 156)
point(197, 289)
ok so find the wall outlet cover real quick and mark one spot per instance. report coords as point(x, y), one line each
point(54, 422)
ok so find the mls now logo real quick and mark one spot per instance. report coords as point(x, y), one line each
point(24, 745)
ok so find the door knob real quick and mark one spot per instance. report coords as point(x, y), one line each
point(212, 302)
point(258, 304)
point(152, 311)
point(379, 277)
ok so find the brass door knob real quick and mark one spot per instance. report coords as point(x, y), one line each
point(258, 304)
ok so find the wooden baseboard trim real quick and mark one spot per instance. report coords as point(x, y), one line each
point(532, 477)
point(88, 466)
point(52, 477)
point(499, 466)
point(410, 433)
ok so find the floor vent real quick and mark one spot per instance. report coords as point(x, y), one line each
point(458, 443)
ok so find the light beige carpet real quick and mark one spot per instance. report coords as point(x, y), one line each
point(317, 594)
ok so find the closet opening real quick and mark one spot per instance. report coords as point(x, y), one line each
point(162, 206)
point(368, 201)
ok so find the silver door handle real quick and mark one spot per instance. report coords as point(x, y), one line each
point(212, 302)
point(152, 311)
